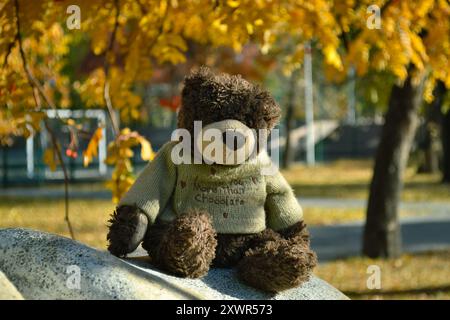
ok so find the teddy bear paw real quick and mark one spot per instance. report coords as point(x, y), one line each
point(188, 247)
point(128, 225)
point(277, 265)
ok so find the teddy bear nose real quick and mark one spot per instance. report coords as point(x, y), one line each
point(233, 140)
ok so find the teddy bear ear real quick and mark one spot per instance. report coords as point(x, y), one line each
point(197, 77)
point(265, 106)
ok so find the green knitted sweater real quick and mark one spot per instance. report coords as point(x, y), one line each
point(238, 198)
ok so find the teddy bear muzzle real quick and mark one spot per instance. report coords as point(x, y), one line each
point(226, 142)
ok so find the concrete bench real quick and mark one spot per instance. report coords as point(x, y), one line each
point(46, 266)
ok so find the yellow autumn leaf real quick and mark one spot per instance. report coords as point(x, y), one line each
point(250, 28)
point(259, 22)
point(92, 148)
point(147, 152)
point(50, 159)
point(332, 57)
point(233, 3)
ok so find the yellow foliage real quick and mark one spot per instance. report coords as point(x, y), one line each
point(147, 153)
point(92, 148)
point(332, 57)
point(411, 33)
point(119, 155)
point(149, 32)
point(45, 46)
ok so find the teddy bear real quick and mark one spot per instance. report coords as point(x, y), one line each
point(190, 217)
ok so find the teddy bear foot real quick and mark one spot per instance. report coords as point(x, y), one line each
point(185, 247)
point(128, 225)
point(277, 265)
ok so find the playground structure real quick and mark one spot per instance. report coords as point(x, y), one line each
point(23, 163)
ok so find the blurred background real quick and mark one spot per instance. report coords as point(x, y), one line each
point(89, 92)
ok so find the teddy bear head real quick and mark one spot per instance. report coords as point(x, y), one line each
point(232, 107)
point(210, 98)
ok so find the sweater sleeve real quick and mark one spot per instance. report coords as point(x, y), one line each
point(282, 208)
point(153, 188)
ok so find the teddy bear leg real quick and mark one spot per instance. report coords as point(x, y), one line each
point(127, 228)
point(184, 247)
point(281, 264)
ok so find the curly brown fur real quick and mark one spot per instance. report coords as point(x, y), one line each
point(277, 266)
point(297, 232)
point(185, 247)
point(153, 239)
point(278, 260)
point(232, 247)
point(210, 98)
point(263, 237)
point(127, 223)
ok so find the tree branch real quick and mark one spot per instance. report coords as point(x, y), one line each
point(38, 90)
point(8, 51)
point(106, 66)
point(66, 177)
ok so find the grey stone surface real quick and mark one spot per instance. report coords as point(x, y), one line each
point(40, 265)
point(222, 284)
point(43, 266)
point(7, 290)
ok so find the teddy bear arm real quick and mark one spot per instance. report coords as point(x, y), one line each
point(281, 206)
point(142, 204)
point(155, 185)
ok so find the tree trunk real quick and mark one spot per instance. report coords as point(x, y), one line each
point(287, 156)
point(382, 237)
point(445, 136)
point(431, 140)
point(444, 119)
point(431, 164)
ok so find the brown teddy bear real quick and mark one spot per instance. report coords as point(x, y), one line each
point(190, 216)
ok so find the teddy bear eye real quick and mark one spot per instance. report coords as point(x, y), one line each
point(233, 140)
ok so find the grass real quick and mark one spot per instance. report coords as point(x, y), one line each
point(412, 276)
point(351, 179)
point(89, 217)
point(315, 216)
